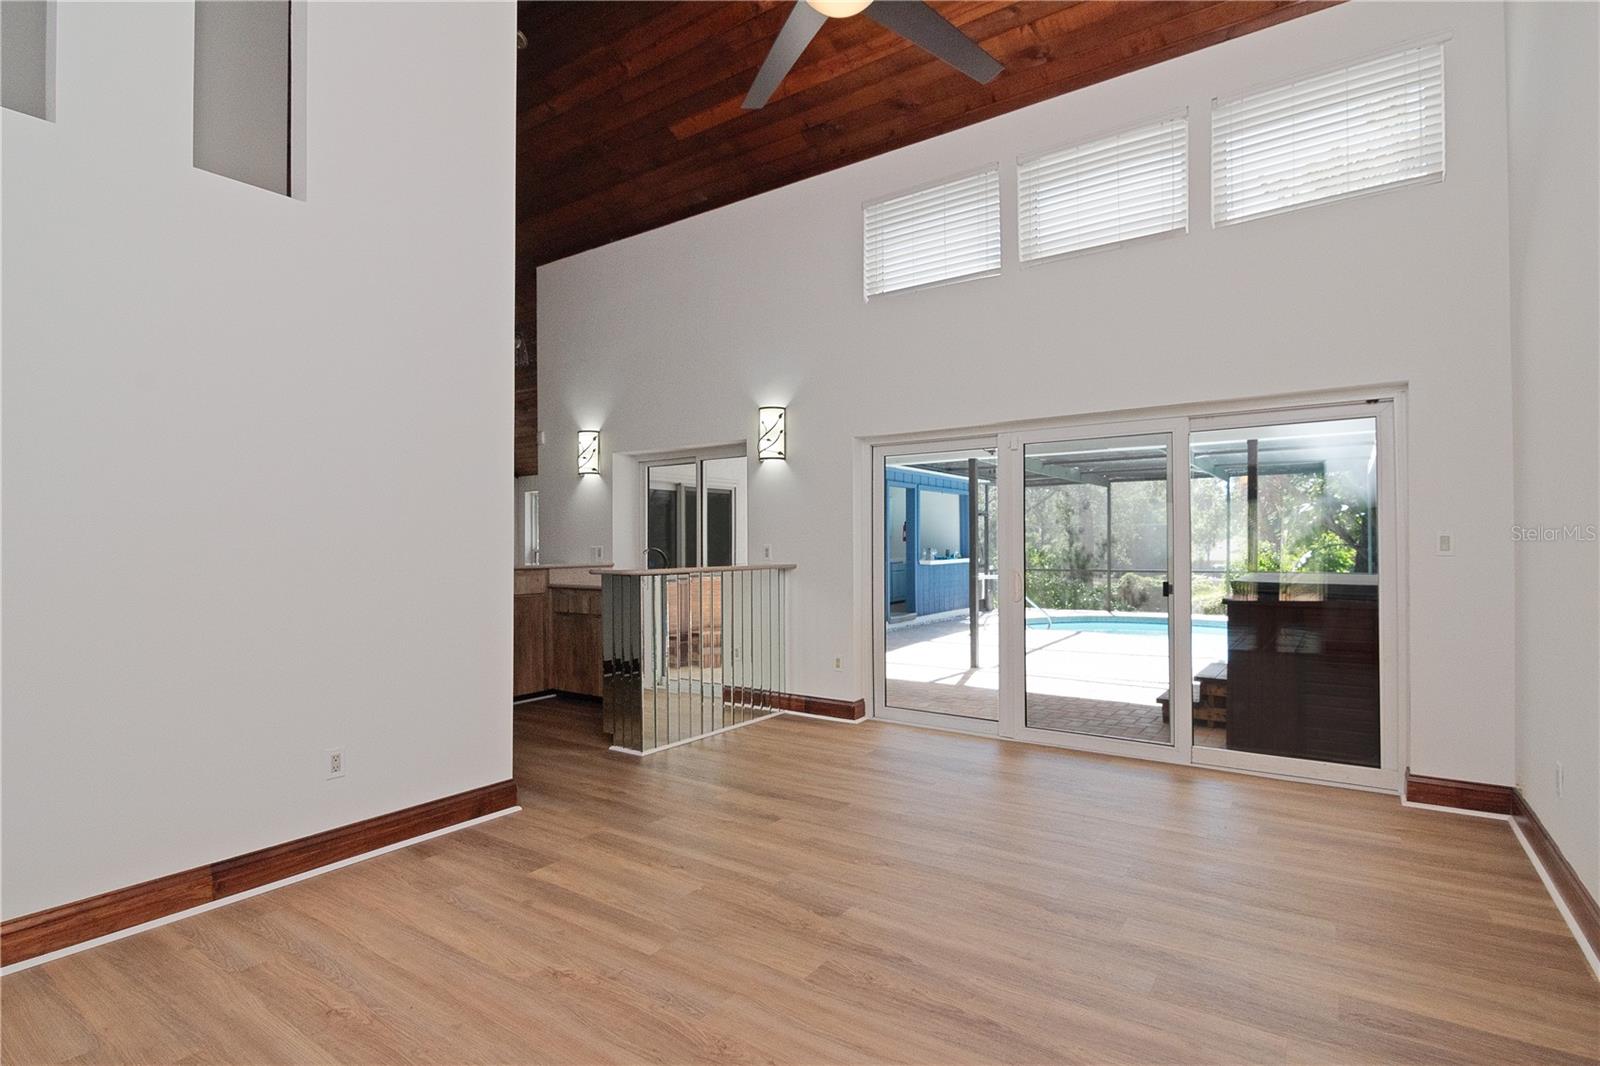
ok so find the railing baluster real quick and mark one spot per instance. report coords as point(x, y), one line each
point(758, 625)
point(761, 647)
point(745, 583)
point(774, 649)
point(690, 653)
point(783, 630)
point(699, 646)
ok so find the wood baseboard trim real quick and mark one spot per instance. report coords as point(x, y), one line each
point(1463, 795)
point(54, 928)
point(815, 706)
point(820, 706)
point(1574, 893)
point(551, 693)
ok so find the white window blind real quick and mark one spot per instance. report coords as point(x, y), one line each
point(1375, 124)
point(940, 233)
point(1120, 188)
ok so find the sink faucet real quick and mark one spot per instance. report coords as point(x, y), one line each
point(665, 562)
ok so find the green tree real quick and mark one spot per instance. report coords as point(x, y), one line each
point(1312, 523)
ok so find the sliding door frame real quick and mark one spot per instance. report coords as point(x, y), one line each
point(1389, 772)
point(1387, 403)
point(1013, 615)
point(696, 458)
point(878, 703)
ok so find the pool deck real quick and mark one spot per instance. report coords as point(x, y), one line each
point(1099, 682)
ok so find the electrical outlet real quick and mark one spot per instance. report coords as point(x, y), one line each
point(766, 551)
point(1561, 780)
point(597, 553)
point(1446, 544)
point(335, 763)
point(838, 662)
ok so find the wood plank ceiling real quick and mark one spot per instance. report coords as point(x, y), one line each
point(629, 113)
point(629, 116)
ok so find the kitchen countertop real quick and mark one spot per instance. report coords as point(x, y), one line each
point(569, 575)
point(691, 570)
point(563, 566)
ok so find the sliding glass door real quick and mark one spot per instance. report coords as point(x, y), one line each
point(1213, 590)
point(1089, 639)
point(937, 648)
point(1097, 589)
point(694, 511)
point(672, 515)
point(1289, 595)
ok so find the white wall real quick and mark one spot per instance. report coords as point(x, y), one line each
point(255, 449)
point(760, 302)
point(1553, 67)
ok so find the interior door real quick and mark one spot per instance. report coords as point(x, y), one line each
point(1093, 646)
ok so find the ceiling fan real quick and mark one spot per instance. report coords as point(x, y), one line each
point(911, 19)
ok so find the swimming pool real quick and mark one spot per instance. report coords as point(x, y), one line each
point(1128, 624)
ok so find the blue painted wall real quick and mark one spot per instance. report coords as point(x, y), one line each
point(900, 582)
point(932, 588)
point(941, 586)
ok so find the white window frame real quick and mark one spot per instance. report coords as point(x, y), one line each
point(972, 275)
point(1221, 103)
point(1178, 115)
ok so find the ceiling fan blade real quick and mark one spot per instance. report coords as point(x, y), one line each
point(928, 30)
point(804, 22)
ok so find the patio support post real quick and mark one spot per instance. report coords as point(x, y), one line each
point(972, 558)
point(1252, 484)
point(683, 529)
point(1109, 483)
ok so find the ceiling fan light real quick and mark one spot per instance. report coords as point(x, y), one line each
point(839, 9)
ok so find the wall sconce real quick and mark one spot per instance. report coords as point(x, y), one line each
point(772, 433)
point(588, 451)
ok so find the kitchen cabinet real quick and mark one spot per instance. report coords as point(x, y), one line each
point(531, 626)
point(574, 658)
point(556, 635)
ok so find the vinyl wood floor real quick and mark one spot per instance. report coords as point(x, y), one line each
point(810, 892)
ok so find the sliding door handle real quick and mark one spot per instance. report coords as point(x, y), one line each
point(1166, 589)
point(1016, 586)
